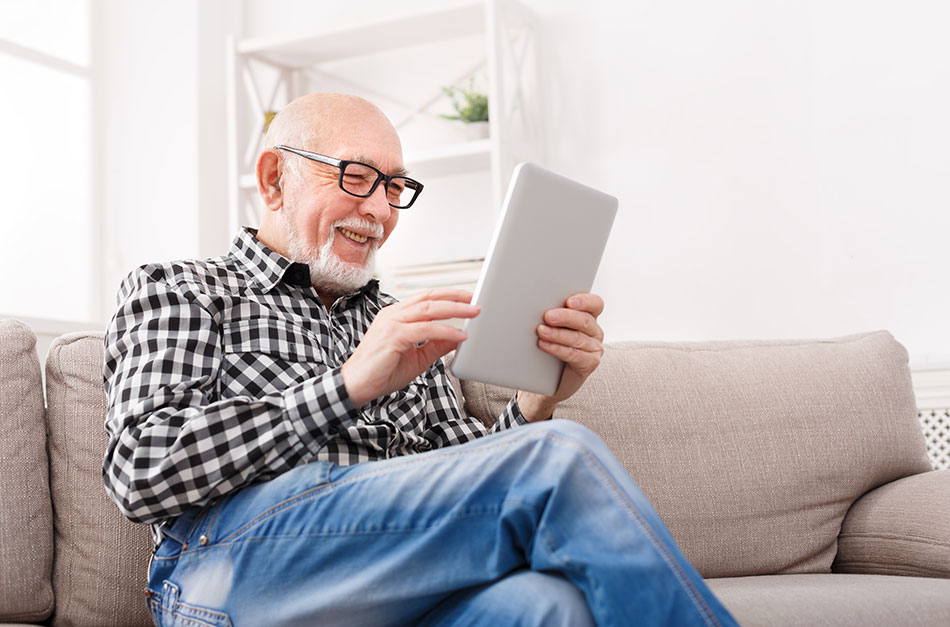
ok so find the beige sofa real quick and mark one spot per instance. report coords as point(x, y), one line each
point(793, 475)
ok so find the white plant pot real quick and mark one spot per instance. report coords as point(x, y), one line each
point(475, 130)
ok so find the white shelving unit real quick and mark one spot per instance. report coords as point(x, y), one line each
point(453, 158)
point(400, 62)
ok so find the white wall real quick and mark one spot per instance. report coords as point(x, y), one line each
point(48, 210)
point(782, 167)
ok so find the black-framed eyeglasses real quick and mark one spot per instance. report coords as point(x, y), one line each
point(361, 180)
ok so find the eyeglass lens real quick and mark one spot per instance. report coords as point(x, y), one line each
point(358, 179)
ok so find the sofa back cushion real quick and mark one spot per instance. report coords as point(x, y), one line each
point(26, 519)
point(101, 564)
point(752, 452)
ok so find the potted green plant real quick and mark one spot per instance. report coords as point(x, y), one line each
point(471, 108)
point(269, 116)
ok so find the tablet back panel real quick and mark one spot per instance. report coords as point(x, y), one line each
point(547, 246)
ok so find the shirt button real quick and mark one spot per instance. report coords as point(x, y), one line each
point(203, 540)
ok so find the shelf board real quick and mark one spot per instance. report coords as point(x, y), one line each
point(451, 159)
point(387, 33)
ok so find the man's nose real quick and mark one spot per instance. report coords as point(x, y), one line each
point(377, 204)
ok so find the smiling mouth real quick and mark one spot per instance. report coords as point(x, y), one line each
point(356, 237)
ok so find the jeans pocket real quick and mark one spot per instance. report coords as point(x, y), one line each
point(168, 611)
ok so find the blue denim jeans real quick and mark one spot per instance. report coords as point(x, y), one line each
point(539, 525)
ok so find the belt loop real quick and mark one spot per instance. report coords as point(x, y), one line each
point(169, 597)
point(181, 528)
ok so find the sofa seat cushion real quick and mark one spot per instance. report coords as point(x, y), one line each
point(26, 518)
point(751, 451)
point(101, 562)
point(835, 600)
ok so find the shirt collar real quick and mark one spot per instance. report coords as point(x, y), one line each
point(268, 268)
point(264, 266)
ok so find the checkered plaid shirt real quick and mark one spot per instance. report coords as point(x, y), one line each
point(225, 372)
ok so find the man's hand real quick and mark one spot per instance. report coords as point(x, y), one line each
point(403, 341)
point(571, 334)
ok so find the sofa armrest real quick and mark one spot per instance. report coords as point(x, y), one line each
point(901, 528)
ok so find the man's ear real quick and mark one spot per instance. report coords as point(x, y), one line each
point(269, 169)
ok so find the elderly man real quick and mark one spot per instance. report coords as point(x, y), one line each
point(290, 434)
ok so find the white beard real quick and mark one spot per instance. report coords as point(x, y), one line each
point(328, 272)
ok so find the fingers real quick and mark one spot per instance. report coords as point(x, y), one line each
point(420, 334)
point(440, 293)
point(569, 337)
point(571, 333)
point(582, 321)
point(436, 310)
point(434, 304)
point(591, 303)
point(579, 350)
point(581, 361)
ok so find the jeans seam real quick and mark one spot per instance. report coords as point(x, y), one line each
point(367, 532)
point(195, 620)
point(312, 492)
point(286, 504)
point(698, 602)
point(213, 517)
point(566, 563)
point(203, 611)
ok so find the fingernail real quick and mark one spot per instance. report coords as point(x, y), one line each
point(574, 302)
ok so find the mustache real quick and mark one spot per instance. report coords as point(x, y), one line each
point(374, 229)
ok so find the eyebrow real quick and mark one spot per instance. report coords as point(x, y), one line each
point(364, 159)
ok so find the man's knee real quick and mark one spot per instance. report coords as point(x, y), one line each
point(578, 449)
point(573, 431)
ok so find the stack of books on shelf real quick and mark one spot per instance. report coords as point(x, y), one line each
point(404, 281)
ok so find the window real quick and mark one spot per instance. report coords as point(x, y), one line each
point(48, 257)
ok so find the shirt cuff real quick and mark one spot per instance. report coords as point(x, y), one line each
point(319, 408)
point(511, 416)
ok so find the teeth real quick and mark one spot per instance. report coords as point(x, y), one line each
point(353, 236)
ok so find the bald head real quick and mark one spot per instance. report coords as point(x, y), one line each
point(316, 122)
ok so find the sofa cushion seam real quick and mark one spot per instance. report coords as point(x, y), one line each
point(696, 349)
point(893, 537)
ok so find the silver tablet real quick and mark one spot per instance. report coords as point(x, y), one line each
point(547, 246)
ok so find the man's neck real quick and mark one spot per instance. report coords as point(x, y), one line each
point(271, 239)
point(328, 299)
